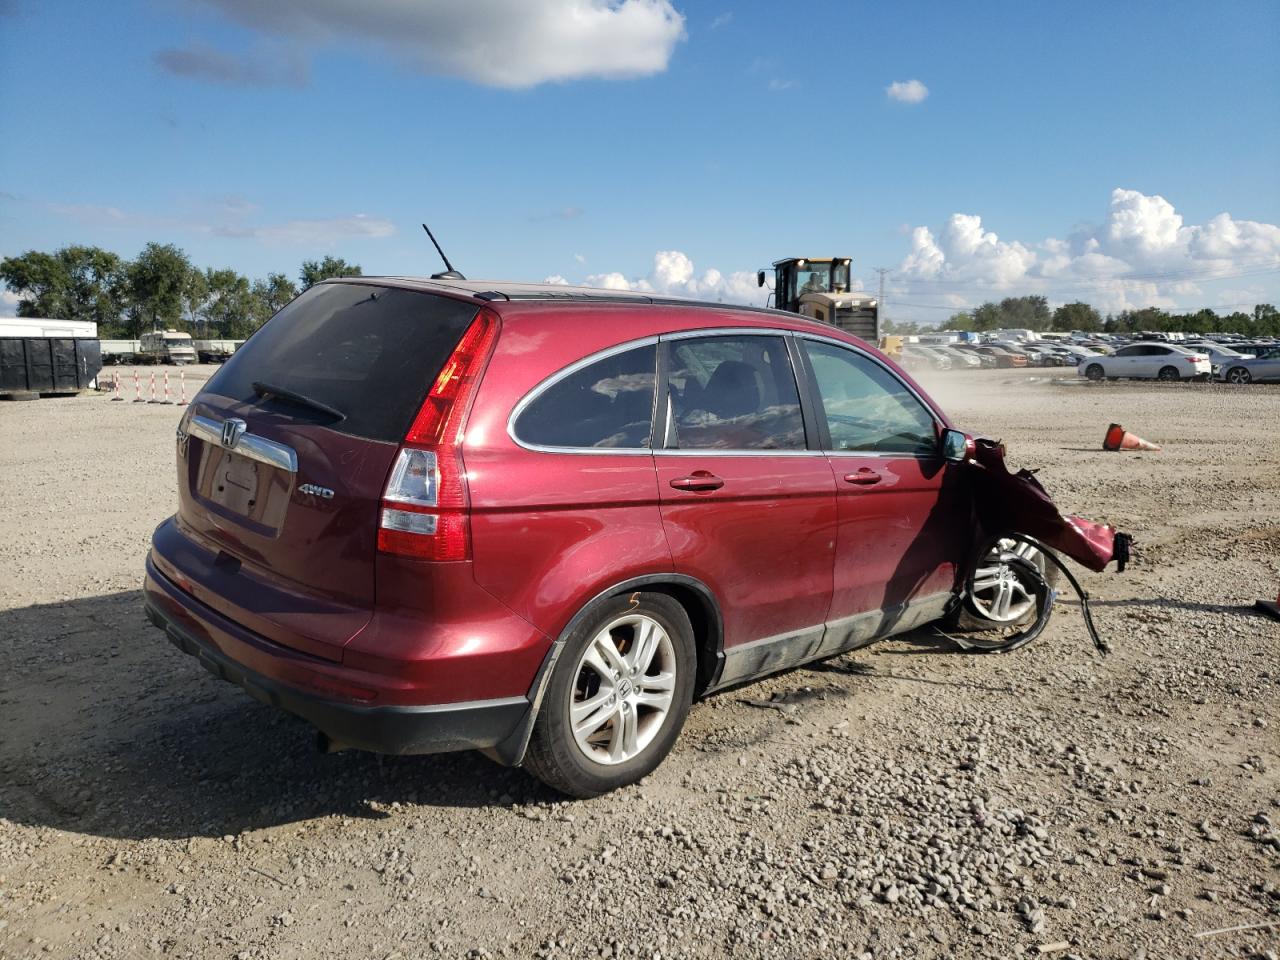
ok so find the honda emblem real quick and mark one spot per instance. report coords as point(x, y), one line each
point(232, 430)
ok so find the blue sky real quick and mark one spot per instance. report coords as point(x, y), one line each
point(1078, 150)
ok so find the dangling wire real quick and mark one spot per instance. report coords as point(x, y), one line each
point(1045, 596)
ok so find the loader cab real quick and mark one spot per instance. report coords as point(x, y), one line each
point(800, 275)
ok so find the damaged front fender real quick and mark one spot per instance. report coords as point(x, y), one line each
point(1016, 503)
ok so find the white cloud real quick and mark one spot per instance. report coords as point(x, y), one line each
point(674, 274)
point(8, 303)
point(907, 91)
point(499, 43)
point(1142, 254)
point(721, 20)
point(319, 231)
point(229, 217)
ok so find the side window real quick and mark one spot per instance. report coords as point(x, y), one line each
point(733, 393)
point(1128, 351)
point(867, 407)
point(607, 404)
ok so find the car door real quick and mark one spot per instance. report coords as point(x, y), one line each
point(1126, 362)
point(903, 514)
point(1155, 359)
point(748, 508)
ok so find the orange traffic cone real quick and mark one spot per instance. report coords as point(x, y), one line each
point(1118, 438)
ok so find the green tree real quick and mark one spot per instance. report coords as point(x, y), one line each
point(157, 283)
point(987, 317)
point(960, 321)
point(74, 283)
point(1266, 320)
point(271, 295)
point(1077, 316)
point(1030, 313)
point(314, 271)
point(229, 310)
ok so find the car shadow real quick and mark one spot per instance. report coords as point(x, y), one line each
point(109, 730)
point(1164, 603)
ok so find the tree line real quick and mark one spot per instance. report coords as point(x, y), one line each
point(159, 289)
point(1033, 313)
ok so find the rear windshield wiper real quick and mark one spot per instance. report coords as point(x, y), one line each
point(290, 396)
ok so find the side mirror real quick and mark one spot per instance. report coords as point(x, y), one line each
point(759, 278)
point(957, 446)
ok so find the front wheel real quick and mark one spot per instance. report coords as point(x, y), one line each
point(1239, 375)
point(1094, 371)
point(999, 596)
point(1168, 373)
point(618, 697)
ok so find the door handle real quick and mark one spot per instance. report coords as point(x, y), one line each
point(698, 480)
point(863, 478)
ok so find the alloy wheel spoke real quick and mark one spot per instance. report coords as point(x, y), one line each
point(597, 663)
point(645, 645)
point(608, 653)
point(589, 715)
point(623, 744)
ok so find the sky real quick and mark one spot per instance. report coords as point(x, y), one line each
point(1125, 154)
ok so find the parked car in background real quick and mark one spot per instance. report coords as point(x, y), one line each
point(1003, 357)
point(1263, 368)
point(1149, 361)
point(960, 358)
point(400, 521)
point(918, 357)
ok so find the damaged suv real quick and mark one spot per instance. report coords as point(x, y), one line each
point(536, 521)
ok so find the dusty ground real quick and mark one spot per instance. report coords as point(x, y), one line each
point(903, 801)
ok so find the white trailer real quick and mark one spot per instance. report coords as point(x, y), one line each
point(120, 351)
point(216, 351)
point(44, 327)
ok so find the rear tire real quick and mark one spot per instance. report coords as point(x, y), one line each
point(618, 696)
point(1094, 372)
point(1239, 375)
point(1167, 373)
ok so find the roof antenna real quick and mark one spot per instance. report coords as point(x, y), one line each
point(449, 274)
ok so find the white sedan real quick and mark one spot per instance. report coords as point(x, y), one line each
point(1148, 361)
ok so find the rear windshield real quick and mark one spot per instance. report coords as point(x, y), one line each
point(370, 352)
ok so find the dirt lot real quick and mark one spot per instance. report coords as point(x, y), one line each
point(907, 800)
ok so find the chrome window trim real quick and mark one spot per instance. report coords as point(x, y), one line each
point(548, 382)
point(249, 445)
point(938, 421)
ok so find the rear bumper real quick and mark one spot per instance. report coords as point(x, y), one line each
point(499, 726)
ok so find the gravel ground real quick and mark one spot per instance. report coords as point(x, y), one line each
point(906, 800)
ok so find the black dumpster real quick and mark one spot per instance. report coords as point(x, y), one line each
point(47, 365)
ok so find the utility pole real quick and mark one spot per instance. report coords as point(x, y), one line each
point(880, 299)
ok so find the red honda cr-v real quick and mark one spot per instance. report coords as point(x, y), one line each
point(539, 521)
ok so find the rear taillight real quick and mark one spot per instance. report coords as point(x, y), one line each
point(1196, 359)
point(424, 505)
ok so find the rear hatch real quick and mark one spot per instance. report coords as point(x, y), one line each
point(286, 453)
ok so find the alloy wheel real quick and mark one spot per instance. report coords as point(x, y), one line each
point(1239, 375)
point(623, 689)
point(996, 588)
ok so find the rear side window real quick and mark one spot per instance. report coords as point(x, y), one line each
point(606, 404)
point(733, 393)
point(370, 352)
